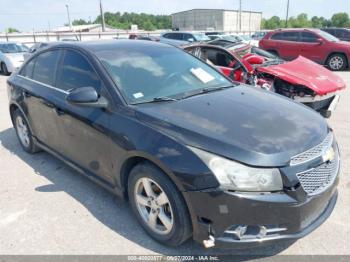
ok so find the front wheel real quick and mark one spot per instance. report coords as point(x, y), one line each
point(158, 205)
point(337, 62)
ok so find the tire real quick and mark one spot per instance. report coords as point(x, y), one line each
point(337, 62)
point(23, 133)
point(178, 223)
point(4, 69)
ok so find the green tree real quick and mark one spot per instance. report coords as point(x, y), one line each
point(12, 30)
point(340, 20)
point(300, 21)
point(80, 22)
point(318, 22)
point(272, 23)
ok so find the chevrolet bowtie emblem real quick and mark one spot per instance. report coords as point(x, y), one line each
point(329, 155)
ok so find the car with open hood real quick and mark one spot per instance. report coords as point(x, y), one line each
point(195, 154)
point(301, 79)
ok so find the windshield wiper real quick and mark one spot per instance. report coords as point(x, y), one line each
point(206, 91)
point(157, 100)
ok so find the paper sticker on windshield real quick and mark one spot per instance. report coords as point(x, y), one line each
point(202, 75)
point(138, 95)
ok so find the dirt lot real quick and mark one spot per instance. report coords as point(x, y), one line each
point(47, 208)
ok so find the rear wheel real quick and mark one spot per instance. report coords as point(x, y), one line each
point(4, 69)
point(23, 133)
point(158, 205)
point(337, 62)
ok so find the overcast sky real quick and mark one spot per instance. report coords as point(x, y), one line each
point(40, 14)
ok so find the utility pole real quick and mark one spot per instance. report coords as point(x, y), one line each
point(69, 22)
point(287, 16)
point(102, 17)
point(240, 15)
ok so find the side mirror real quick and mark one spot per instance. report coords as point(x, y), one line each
point(86, 96)
point(320, 41)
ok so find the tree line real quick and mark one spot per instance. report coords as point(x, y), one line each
point(125, 20)
point(302, 20)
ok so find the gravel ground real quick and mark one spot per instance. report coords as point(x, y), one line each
point(47, 208)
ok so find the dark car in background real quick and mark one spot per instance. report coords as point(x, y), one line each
point(341, 33)
point(196, 154)
point(314, 44)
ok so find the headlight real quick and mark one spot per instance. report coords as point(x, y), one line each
point(235, 176)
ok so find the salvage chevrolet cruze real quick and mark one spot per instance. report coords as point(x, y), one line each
point(196, 154)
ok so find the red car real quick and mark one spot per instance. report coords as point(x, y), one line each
point(314, 44)
point(301, 80)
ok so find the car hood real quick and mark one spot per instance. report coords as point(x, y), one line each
point(302, 71)
point(242, 123)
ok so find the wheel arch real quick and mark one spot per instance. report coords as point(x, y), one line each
point(339, 53)
point(12, 108)
point(136, 158)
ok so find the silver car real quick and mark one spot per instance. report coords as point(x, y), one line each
point(177, 38)
point(11, 56)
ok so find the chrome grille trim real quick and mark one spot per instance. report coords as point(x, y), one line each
point(319, 179)
point(314, 152)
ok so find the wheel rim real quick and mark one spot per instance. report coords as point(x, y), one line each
point(22, 131)
point(153, 206)
point(336, 62)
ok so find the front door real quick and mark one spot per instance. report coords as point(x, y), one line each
point(84, 130)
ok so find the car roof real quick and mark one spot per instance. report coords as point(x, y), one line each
point(296, 30)
point(99, 45)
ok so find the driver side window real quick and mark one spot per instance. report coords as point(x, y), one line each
point(75, 72)
point(217, 57)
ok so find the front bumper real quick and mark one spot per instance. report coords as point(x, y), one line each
point(217, 213)
point(326, 105)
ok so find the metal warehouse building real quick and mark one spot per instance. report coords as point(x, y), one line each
point(216, 19)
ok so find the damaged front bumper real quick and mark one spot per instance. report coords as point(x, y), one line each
point(325, 105)
point(240, 220)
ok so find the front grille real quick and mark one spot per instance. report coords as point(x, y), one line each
point(317, 180)
point(314, 152)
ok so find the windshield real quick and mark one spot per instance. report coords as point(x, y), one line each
point(145, 74)
point(13, 48)
point(201, 37)
point(327, 36)
point(232, 38)
point(245, 37)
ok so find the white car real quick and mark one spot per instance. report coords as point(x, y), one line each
point(11, 56)
point(236, 39)
point(249, 40)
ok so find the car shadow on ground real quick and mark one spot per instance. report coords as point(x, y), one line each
point(110, 211)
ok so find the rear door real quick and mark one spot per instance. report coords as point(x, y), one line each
point(311, 48)
point(84, 130)
point(288, 45)
point(37, 79)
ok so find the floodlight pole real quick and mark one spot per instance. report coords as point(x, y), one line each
point(69, 21)
point(240, 15)
point(287, 16)
point(102, 17)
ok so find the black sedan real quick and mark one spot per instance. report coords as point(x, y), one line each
point(195, 154)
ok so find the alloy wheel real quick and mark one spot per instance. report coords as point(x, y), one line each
point(153, 206)
point(22, 131)
point(336, 62)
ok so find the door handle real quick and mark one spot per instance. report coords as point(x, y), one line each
point(59, 111)
point(26, 94)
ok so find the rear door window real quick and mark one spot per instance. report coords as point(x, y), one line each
point(277, 36)
point(76, 71)
point(291, 36)
point(45, 67)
